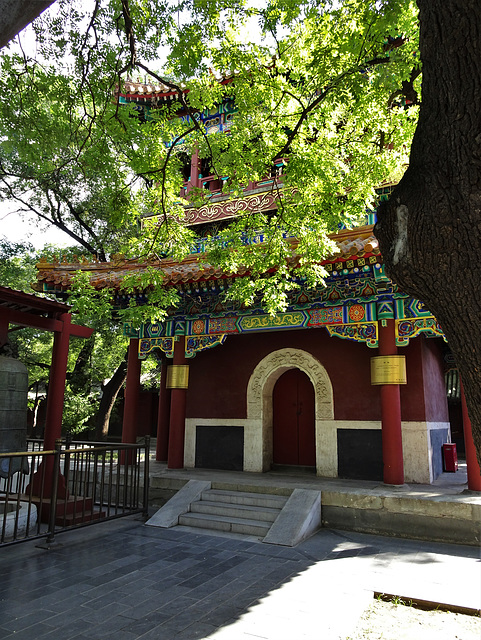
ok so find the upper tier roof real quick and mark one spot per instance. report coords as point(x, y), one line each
point(351, 244)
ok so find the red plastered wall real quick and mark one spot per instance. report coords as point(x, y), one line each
point(218, 377)
point(147, 413)
point(435, 398)
point(424, 397)
point(412, 393)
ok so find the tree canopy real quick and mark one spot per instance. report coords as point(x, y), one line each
point(334, 85)
point(323, 83)
point(96, 367)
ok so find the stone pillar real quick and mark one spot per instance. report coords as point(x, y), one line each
point(132, 392)
point(163, 417)
point(177, 381)
point(472, 464)
point(386, 377)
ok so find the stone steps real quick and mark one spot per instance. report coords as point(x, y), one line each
point(227, 524)
point(274, 519)
point(234, 511)
point(245, 498)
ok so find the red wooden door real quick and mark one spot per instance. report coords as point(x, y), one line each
point(294, 420)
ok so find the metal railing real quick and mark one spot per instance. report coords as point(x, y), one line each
point(43, 493)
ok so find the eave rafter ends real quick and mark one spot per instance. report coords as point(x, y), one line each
point(132, 89)
point(355, 244)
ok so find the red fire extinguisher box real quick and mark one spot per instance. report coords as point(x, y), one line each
point(450, 457)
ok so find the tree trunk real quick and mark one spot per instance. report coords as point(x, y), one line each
point(80, 379)
point(109, 395)
point(430, 229)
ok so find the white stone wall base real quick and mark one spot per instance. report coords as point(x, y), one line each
point(417, 451)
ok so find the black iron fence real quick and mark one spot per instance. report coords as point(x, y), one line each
point(79, 483)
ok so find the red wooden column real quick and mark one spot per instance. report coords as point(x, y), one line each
point(472, 464)
point(56, 384)
point(53, 316)
point(54, 411)
point(132, 393)
point(163, 417)
point(177, 381)
point(195, 166)
point(392, 447)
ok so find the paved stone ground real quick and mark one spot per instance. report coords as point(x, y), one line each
point(126, 581)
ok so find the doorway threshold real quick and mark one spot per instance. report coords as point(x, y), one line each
point(293, 469)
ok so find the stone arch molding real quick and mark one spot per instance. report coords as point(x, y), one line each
point(258, 441)
point(269, 370)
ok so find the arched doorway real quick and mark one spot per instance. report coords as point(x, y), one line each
point(293, 420)
point(258, 443)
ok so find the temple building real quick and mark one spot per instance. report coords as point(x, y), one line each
point(348, 381)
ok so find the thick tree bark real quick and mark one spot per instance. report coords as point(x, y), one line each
point(109, 395)
point(430, 229)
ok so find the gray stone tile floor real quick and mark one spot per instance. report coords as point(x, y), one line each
point(126, 581)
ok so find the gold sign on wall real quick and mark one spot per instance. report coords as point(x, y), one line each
point(177, 376)
point(388, 370)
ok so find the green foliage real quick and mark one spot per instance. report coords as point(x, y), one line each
point(34, 349)
point(159, 297)
point(31, 346)
point(91, 362)
point(77, 410)
point(97, 308)
point(90, 306)
point(58, 162)
point(321, 85)
point(17, 265)
point(321, 91)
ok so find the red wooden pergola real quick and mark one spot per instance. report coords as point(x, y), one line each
point(27, 310)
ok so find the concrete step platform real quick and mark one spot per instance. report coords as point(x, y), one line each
point(79, 518)
point(443, 512)
point(70, 511)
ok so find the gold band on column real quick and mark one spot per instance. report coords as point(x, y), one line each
point(388, 370)
point(178, 376)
